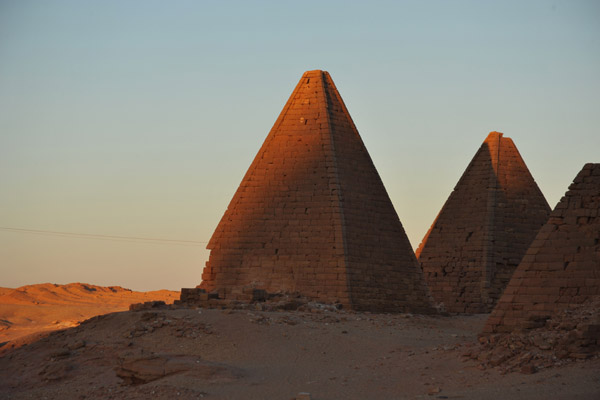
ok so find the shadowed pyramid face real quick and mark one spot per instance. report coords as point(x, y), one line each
point(483, 230)
point(312, 215)
point(562, 266)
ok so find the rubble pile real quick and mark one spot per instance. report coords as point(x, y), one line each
point(250, 298)
point(149, 321)
point(573, 334)
point(147, 305)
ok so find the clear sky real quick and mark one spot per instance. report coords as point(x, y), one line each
point(139, 118)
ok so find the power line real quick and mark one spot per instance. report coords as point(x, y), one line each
point(134, 239)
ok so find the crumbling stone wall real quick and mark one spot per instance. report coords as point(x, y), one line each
point(562, 266)
point(312, 215)
point(483, 230)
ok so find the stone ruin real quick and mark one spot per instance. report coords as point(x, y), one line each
point(311, 216)
point(561, 267)
point(549, 314)
point(483, 230)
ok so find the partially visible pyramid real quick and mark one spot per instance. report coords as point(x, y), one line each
point(483, 230)
point(562, 266)
point(312, 216)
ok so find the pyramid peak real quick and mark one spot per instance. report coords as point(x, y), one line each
point(493, 135)
point(314, 72)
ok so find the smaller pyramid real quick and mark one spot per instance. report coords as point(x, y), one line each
point(562, 266)
point(483, 230)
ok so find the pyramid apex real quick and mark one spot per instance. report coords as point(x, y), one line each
point(314, 72)
point(494, 135)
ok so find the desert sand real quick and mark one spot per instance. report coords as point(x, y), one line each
point(177, 352)
point(45, 307)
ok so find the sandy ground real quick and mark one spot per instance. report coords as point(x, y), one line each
point(223, 354)
point(45, 307)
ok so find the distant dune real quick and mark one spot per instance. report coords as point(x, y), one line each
point(45, 307)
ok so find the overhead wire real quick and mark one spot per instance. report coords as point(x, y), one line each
point(134, 239)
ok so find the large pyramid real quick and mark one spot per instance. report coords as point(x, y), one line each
point(562, 266)
point(312, 216)
point(483, 230)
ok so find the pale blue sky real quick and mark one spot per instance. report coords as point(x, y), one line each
point(139, 118)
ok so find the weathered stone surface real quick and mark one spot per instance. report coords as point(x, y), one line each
point(561, 267)
point(312, 216)
point(55, 371)
point(483, 230)
point(139, 369)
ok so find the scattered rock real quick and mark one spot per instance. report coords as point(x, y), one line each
point(433, 390)
point(528, 369)
point(573, 334)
